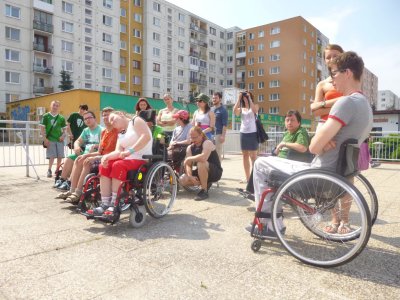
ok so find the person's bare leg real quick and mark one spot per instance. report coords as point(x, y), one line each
point(202, 168)
point(246, 163)
point(68, 164)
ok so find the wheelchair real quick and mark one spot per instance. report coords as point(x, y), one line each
point(305, 201)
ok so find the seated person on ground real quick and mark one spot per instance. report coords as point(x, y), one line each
point(180, 136)
point(86, 163)
point(344, 122)
point(295, 140)
point(201, 153)
point(90, 139)
point(134, 141)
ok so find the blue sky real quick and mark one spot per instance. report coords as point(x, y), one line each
point(369, 27)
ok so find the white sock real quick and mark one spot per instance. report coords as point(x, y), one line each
point(106, 200)
point(113, 198)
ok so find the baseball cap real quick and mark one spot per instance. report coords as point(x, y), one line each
point(202, 97)
point(181, 114)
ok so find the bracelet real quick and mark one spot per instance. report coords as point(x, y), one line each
point(131, 150)
point(323, 104)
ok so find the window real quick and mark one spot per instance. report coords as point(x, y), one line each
point(261, 46)
point(156, 22)
point(67, 7)
point(180, 58)
point(261, 33)
point(213, 31)
point(274, 97)
point(274, 83)
point(123, 12)
point(229, 59)
point(108, 3)
point(260, 98)
point(123, 28)
point(251, 61)
point(181, 31)
point(275, 30)
point(260, 59)
point(251, 86)
point(181, 45)
point(12, 55)
point(156, 82)
point(13, 11)
point(221, 35)
point(260, 72)
point(212, 80)
point(88, 49)
point(137, 49)
point(11, 97)
point(13, 33)
point(229, 82)
point(67, 65)
point(136, 80)
point(229, 47)
point(274, 70)
point(88, 85)
point(274, 110)
point(106, 89)
point(304, 83)
point(12, 77)
point(156, 67)
point(107, 38)
point(67, 27)
point(180, 86)
point(212, 56)
point(194, 61)
point(261, 85)
point(137, 17)
point(180, 72)
point(137, 2)
point(156, 36)
point(88, 30)
point(88, 12)
point(251, 36)
point(88, 2)
point(107, 20)
point(156, 96)
point(251, 73)
point(181, 17)
point(156, 52)
point(229, 71)
point(88, 21)
point(157, 6)
point(274, 57)
point(67, 46)
point(107, 73)
point(88, 39)
point(136, 64)
point(107, 55)
point(275, 44)
point(251, 48)
point(137, 33)
point(229, 35)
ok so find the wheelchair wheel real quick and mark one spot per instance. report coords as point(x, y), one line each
point(160, 187)
point(124, 196)
point(308, 200)
point(91, 193)
point(366, 189)
point(137, 217)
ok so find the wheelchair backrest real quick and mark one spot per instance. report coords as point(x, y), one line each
point(347, 164)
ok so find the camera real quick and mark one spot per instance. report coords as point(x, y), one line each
point(244, 94)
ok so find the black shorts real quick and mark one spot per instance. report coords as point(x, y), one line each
point(214, 173)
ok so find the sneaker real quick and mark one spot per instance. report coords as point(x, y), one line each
point(58, 183)
point(65, 186)
point(49, 174)
point(201, 195)
point(73, 198)
point(109, 211)
point(98, 211)
point(64, 195)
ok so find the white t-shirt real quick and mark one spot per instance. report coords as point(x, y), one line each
point(248, 123)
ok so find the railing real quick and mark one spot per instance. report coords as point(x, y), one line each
point(42, 48)
point(383, 146)
point(43, 26)
point(43, 89)
point(21, 144)
point(42, 69)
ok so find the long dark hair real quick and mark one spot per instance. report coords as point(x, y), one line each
point(148, 106)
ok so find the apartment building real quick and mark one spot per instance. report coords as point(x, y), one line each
point(280, 63)
point(370, 87)
point(40, 38)
point(387, 100)
point(185, 54)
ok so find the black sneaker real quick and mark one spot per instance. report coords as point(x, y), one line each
point(246, 194)
point(201, 195)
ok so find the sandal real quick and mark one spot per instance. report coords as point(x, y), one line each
point(332, 228)
point(344, 228)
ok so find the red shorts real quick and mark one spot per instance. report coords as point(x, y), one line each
point(119, 168)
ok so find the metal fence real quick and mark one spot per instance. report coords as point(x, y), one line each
point(383, 145)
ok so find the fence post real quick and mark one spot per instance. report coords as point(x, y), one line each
point(27, 135)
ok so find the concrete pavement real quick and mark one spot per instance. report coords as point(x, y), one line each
point(199, 251)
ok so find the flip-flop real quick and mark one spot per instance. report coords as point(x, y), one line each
point(331, 228)
point(344, 228)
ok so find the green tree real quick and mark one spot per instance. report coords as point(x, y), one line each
point(65, 82)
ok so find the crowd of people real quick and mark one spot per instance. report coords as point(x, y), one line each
point(197, 142)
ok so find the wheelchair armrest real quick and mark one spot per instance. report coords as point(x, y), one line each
point(347, 164)
point(153, 156)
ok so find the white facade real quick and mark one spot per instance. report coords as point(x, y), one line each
point(184, 55)
point(387, 100)
point(386, 121)
point(81, 37)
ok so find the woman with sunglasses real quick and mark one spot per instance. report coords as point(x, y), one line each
point(203, 117)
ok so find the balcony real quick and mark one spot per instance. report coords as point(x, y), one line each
point(197, 28)
point(194, 80)
point(203, 70)
point(43, 26)
point(42, 89)
point(202, 44)
point(203, 82)
point(240, 54)
point(42, 48)
point(42, 69)
point(194, 54)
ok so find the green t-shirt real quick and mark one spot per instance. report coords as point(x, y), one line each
point(56, 130)
point(76, 124)
point(156, 130)
point(91, 138)
point(299, 137)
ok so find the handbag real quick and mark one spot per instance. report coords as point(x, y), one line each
point(262, 136)
point(364, 157)
point(51, 128)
